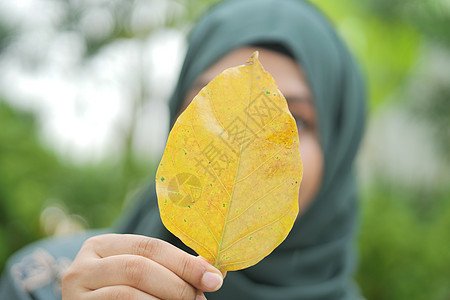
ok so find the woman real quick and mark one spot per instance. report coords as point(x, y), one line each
point(325, 94)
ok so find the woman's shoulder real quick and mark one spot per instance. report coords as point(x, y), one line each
point(35, 271)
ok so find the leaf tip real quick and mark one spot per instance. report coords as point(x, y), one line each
point(254, 57)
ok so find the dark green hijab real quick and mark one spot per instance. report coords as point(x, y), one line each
point(317, 260)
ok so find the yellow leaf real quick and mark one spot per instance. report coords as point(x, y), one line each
point(229, 177)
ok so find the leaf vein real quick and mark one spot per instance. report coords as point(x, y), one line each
point(216, 116)
point(264, 126)
point(256, 230)
point(204, 155)
point(201, 216)
point(207, 225)
point(264, 162)
point(254, 202)
point(189, 237)
point(241, 261)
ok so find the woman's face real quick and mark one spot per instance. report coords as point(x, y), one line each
point(292, 83)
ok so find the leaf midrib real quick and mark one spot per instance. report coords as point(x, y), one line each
point(238, 164)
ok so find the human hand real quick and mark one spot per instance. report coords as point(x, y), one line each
point(116, 266)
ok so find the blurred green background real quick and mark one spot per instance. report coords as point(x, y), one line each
point(48, 189)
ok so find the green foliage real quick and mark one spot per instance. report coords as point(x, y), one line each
point(387, 50)
point(435, 108)
point(404, 243)
point(25, 169)
point(32, 177)
point(430, 17)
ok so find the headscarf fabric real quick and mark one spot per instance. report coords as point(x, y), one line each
point(317, 259)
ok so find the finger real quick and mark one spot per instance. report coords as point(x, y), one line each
point(194, 270)
point(200, 296)
point(224, 273)
point(138, 272)
point(118, 292)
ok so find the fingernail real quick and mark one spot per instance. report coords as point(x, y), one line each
point(200, 297)
point(212, 281)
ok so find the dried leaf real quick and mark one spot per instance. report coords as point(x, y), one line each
point(229, 178)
